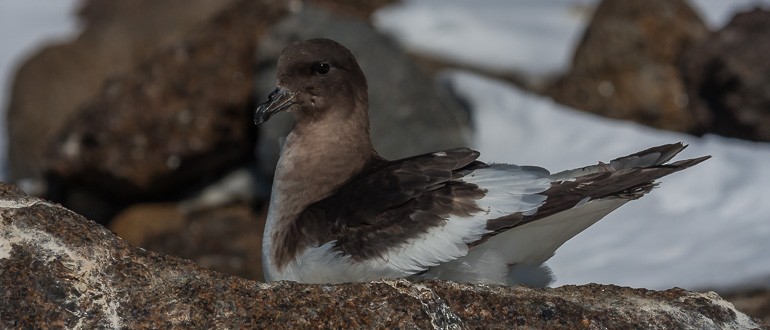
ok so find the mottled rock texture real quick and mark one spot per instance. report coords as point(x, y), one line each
point(728, 78)
point(626, 65)
point(61, 270)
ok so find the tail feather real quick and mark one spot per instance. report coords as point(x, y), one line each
point(646, 158)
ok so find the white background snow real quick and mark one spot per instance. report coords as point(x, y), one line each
point(707, 227)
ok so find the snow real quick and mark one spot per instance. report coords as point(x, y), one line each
point(24, 27)
point(706, 227)
point(534, 38)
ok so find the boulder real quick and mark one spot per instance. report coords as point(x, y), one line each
point(728, 78)
point(61, 270)
point(626, 65)
point(182, 115)
point(50, 87)
point(410, 113)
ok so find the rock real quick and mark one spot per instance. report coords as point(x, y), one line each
point(183, 115)
point(62, 270)
point(409, 113)
point(754, 302)
point(225, 238)
point(53, 84)
point(626, 64)
point(728, 78)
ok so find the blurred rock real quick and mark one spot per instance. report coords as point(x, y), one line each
point(226, 238)
point(626, 65)
point(409, 113)
point(53, 84)
point(182, 115)
point(62, 270)
point(137, 223)
point(728, 78)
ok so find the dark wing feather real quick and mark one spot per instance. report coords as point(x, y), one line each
point(393, 202)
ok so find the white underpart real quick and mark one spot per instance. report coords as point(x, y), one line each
point(523, 249)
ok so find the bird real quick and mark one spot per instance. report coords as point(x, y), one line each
point(339, 212)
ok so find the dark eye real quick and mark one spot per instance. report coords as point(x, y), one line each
point(321, 68)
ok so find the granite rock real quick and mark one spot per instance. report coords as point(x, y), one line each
point(61, 270)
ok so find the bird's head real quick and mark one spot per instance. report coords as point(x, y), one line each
point(315, 77)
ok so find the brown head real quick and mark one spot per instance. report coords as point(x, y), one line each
point(316, 78)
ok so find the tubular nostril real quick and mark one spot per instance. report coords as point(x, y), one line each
point(273, 95)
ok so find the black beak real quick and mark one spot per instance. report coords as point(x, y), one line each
point(280, 99)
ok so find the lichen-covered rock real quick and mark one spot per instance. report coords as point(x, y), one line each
point(58, 269)
point(728, 78)
point(626, 65)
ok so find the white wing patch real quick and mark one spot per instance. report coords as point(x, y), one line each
point(510, 189)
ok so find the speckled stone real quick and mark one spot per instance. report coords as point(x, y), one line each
point(60, 270)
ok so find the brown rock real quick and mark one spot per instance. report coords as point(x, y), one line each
point(183, 114)
point(626, 65)
point(62, 270)
point(137, 223)
point(227, 238)
point(728, 78)
point(52, 85)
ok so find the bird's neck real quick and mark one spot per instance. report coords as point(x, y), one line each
point(317, 158)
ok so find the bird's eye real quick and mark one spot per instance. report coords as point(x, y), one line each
point(321, 68)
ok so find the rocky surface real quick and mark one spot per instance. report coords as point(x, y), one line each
point(410, 114)
point(626, 65)
point(728, 78)
point(62, 270)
